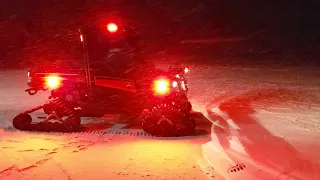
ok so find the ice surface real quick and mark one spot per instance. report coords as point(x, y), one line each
point(263, 119)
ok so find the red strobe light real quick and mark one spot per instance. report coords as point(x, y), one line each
point(53, 82)
point(161, 86)
point(112, 27)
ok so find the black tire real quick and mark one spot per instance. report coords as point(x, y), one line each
point(182, 124)
point(22, 121)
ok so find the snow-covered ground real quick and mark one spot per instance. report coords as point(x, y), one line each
point(262, 123)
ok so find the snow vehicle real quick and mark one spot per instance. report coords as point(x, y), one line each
point(156, 96)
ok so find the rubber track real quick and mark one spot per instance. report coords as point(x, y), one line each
point(108, 132)
point(124, 132)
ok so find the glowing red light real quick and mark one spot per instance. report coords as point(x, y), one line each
point(161, 86)
point(112, 27)
point(53, 82)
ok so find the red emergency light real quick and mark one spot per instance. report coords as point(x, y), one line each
point(112, 27)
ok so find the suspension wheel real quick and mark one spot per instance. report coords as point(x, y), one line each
point(172, 124)
point(56, 111)
point(48, 108)
point(22, 121)
point(73, 122)
point(70, 124)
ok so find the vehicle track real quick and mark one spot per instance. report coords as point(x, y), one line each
point(113, 132)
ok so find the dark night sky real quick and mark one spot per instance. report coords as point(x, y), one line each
point(30, 29)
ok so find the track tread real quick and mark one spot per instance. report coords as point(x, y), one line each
point(188, 125)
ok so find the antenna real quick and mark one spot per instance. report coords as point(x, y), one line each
point(83, 39)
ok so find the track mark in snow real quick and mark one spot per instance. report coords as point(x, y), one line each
point(64, 171)
point(42, 161)
point(206, 167)
point(32, 166)
point(51, 153)
point(81, 146)
point(85, 141)
point(48, 139)
point(8, 169)
point(7, 147)
point(26, 150)
point(115, 130)
point(27, 168)
point(13, 141)
point(75, 142)
point(128, 132)
point(84, 148)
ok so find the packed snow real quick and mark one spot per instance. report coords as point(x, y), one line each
point(253, 123)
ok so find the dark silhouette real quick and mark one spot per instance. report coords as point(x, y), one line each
point(42, 32)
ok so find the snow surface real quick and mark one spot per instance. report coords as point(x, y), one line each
point(263, 121)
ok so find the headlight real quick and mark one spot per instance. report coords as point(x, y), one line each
point(53, 82)
point(161, 86)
